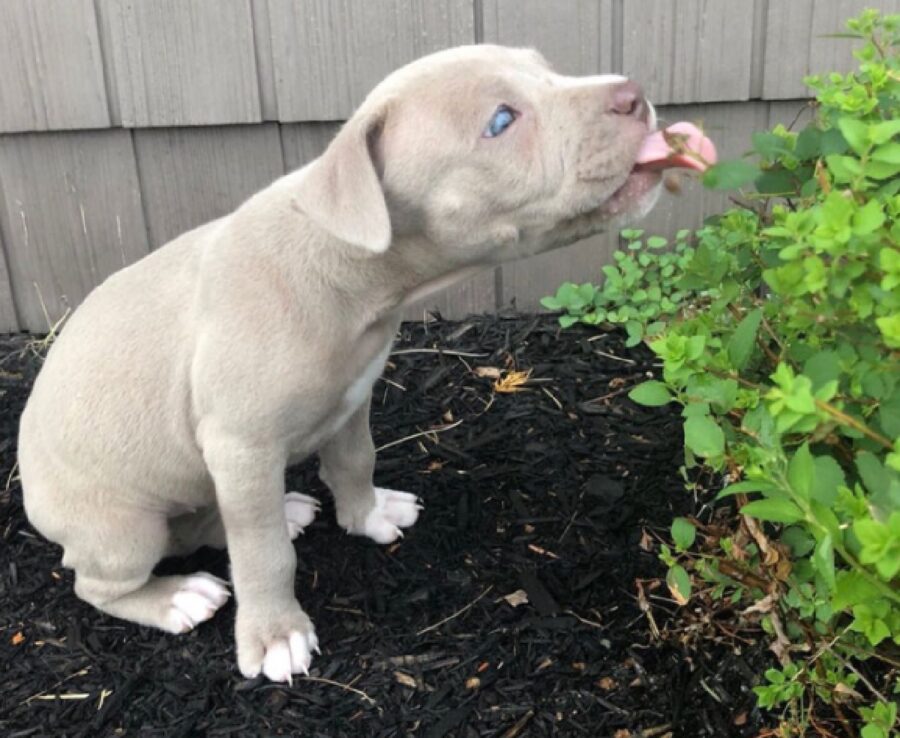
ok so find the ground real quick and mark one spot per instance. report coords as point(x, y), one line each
point(510, 609)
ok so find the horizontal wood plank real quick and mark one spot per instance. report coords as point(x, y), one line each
point(71, 216)
point(689, 51)
point(798, 43)
point(525, 282)
point(328, 54)
point(8, 320)
point(190, 176)
point(52, 73)
point(303, 142)
point(183, 62)
point(576, 36)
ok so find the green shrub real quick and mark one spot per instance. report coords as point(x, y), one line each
point(778, 326)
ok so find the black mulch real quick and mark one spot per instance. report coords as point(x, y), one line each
point(550, 490)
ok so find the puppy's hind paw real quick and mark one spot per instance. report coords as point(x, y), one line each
point(393, 510)
point(195, 601)
point(299, 510)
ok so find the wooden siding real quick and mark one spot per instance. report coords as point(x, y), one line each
point(576, 36)
point(690, 50)
point(183, 63)
point(190, 176)
point(200, 103)
point(52, 71)
point(71, 216)
point(798, 41)
point(8, 320)
point(328, 54)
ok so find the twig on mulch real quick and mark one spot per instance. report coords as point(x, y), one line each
point(456, 614)
point(347, 687)
point(418, 435)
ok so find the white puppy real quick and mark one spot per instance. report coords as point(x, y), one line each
point(166, 412)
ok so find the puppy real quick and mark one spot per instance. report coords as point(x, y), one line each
point(167, 410)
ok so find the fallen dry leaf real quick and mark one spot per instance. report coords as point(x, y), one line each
point(519, 597)
point(17, 638)
point(646, 543)
point(512, 382)
point(405, 679)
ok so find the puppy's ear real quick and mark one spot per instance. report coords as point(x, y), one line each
point(341, 191)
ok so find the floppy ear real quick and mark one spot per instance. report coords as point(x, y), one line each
point(341, 191)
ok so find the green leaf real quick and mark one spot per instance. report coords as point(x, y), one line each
point(769, 145)
point(852, 588)
point(823, 559)
point(776, 181)
point(822, 367)
point(703, 436)
point(773, 510)
point(567, 321)
point(679, 584)
point(889, 153)
point(551, 303)
point(868, 218)
point(730, 175)
point(652, 394)
point(749, 485)
point(683, 533)
point(740, 346)
point(828, 478)
point(856, 133)
point(801, 472)
point(882, 132)
point(809, 143)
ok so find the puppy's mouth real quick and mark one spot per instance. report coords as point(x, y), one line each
point(680, 146)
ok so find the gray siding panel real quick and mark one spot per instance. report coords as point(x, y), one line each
point(527, 281)
point(576, 36)
point(328, 54)
point(8, 320)
point(52, 72)
point(190, 176)
point(472, 296)
point(183, 62)
point(303, 142)
point(689, 51)
point(797, 42)
point(262, 39)
point(71, 216)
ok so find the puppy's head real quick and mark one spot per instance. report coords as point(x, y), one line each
point(490, 155)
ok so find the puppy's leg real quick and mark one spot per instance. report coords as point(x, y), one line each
point(113, 563)
point(347, 462)
point(273, 633)
point(204, 527)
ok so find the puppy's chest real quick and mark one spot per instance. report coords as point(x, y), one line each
point(350, 396)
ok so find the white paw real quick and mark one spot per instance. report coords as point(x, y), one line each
point(198, 598)
point(393, 510)
point(285, 658)
point(300, 510)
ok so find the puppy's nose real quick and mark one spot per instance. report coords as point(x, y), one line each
point(628, 99)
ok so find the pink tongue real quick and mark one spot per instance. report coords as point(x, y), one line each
point(679, 145)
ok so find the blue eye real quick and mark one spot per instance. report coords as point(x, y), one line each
point(500, 121)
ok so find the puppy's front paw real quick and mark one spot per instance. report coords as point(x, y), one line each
point(393, 510)
point(196, 600)
point(278, 646)
point(300, 510)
